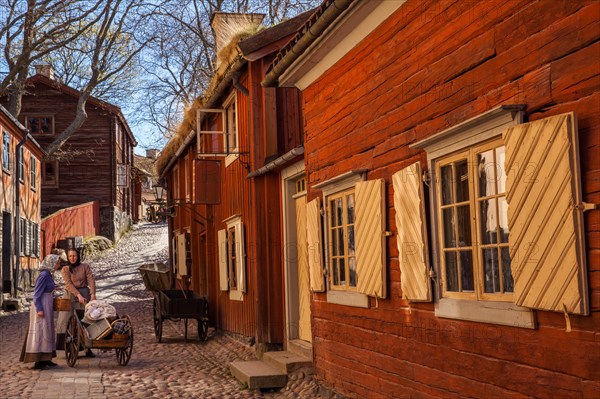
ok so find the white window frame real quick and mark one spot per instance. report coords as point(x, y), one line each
point(6, 151)
point(235, 223)
point(470, 134)
point(45, 134)
point(336, 185)
point(33, 172)
point(231, 128)
point(21, 165)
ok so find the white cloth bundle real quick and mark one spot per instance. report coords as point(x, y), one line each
point(99, 309)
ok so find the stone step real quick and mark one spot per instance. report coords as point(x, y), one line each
point(258, 374)
point(285, 361)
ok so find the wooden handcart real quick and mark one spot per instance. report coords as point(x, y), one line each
point(77, 338)
point(172, 304)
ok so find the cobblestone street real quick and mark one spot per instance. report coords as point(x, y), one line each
point(171, 369)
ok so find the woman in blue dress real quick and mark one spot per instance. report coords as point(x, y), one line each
point(40, 344)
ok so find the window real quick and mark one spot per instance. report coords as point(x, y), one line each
point(21, 164)
point(122, 175)
point(491, 172)
point(231, 129)
point(472, 208)
point(342, 255)
point(50, 174)
point(32, 172)
point(187, 178)
point(40, 124)
point(354, 232)
point(34, 232)
point(232, 274)
point(23, 236)
point(5, 151)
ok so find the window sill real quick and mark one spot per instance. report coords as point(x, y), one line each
point(502, 313)
point(347, 298)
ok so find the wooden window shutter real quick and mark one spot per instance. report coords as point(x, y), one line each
point(27, 235)
point(370, 238)
point(545, 215)
point(39, 242)
point(412, 233)
point(181, 255)
point(240, 256)
point(313, 241)
point(223, 274)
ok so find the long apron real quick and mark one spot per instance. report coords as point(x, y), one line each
point(39, 342)
point(64, 316)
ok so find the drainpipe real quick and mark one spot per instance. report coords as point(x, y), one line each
point(18, 214)
point(236, 83)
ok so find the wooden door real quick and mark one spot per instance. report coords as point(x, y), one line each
point(304, 332)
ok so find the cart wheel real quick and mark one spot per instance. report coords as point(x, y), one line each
point(72, 341)
point(203, 323)
point(157, 321)
point(124, 354)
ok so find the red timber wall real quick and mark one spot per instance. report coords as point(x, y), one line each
point(432, 65)
point(82, 220)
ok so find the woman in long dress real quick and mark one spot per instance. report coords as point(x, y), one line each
point(40, 344)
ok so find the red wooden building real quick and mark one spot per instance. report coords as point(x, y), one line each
point(451, 148)
point(20, 157)
point(224, 177)
point(97, 159)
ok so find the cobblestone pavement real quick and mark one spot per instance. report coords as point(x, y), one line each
point(171, 369)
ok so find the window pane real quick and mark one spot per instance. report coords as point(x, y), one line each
point(342, 271)
point(334, 245)
point(46, 125)
point(339, 212)
point(352, 267)
point(462, 181)
point(350, 202)
point(332, 211)
point(334, 264)
point(350, 240)
point(500, 172)
point(508, 284)
point(464, 225)
point(447, 196)
point(503, 219)
point(449, 238)
point(491, 275)
point(466, 269)
point(487, 173)
point(488, 221)
point(451, 271)
point(340, 241)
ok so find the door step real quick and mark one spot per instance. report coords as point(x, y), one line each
point(270, 372)
point(258, 374)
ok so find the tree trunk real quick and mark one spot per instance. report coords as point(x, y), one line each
point(80, 118)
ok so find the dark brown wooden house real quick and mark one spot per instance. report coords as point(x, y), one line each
point(451, 148)
point(20, 161)
point(225, 180)
point(97, 159)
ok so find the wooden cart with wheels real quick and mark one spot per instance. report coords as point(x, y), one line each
point(180, 304)
point(76, 339)
point(173, 304)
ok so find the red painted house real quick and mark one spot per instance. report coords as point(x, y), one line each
point(452, 172)
point(224, 175)
point(20, 157)
point(97, 159)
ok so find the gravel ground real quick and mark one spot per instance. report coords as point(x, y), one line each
point(171, 369)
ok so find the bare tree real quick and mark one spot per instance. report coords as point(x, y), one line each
point(32, 29)
point(181, 61)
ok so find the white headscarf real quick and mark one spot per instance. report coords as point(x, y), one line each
point(49, 262)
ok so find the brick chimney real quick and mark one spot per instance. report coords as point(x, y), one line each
point(151, 153)
point(45, 70)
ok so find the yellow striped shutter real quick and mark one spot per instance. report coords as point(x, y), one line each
point(313, 240)
point(546, 224)
point(240, 256)
point(412, 233)
point(223, 273)
point(370, 238)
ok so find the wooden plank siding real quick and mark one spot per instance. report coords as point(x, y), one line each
point(88, 170)
point(264, 134)
point(429, 66)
